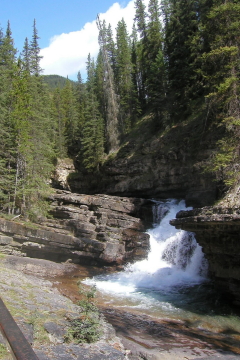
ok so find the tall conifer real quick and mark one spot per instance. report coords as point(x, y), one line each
point(93, 130)
point(112, 124)
point(124, 79)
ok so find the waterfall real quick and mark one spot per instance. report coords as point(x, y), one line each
point(175, 260)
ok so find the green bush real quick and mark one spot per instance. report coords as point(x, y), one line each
point(86, 328)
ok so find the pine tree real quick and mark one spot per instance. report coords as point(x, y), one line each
point(80, 95)
point(25, 55)
point(93, 130)
point(181, 27)
point(58, 124)
point(136, 74)
point(124, 81)
point(31, 117)
point(100, 86)
point(221, 69)
point(80, 98)
point(70, 116)
point(156, 72)
point(112, 125)
point(140, 18)
point(111, 49)
point(34, 52)
point(140, 46)
point(7, 133)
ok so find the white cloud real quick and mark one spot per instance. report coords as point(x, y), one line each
point(67, 53)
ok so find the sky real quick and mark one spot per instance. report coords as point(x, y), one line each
point(67, 29)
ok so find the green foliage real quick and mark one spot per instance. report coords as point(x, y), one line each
point(56, 81)
point(124, 82)
point(26, 148)
point(93, 130)
point(156, 85)
point(221, 69)
point(188, 68)
point(181, 27)
point(4, 353)
point(85, 329)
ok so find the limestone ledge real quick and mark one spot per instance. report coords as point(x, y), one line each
point(86, 229)
point(217, 230)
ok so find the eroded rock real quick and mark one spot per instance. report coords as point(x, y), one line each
point(217, 230)
point(87, 229)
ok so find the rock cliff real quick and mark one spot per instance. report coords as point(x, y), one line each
point(168, 165)
point(217, 231)
point(89, 229)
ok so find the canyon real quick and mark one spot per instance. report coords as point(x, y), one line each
point(107, 226)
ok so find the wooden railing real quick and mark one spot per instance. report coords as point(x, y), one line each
point(18, 345)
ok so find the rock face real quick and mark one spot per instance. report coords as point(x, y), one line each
point(45, 316)
point(158, 168)
point(87, 229)
point(63, 169)
point(217, 231)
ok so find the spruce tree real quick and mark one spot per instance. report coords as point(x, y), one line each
point(31, 116)
point(58, 124)
point(156, 72)
point(25, 55)
point(124, 79)
point(93, 130)
point(80, 95)
point(80, 98)
point(71, 119)
point(111, 48)
point(34, 53)
point(100, 86)
point(7, 131)
point(221, 69)
point(181, 27)
point(112, 108)
point(141, 26)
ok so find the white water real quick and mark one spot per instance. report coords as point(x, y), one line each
point(175, 262)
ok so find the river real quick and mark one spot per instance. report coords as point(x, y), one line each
point(165, 306)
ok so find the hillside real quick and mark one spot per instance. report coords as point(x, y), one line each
point(55, 81)
point(158, 163)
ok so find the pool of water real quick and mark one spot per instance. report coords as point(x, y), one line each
point(166, 301)
point(172, 282)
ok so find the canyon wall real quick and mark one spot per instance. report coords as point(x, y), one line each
point(85, 229)
point(217, 231)
point(156, 168)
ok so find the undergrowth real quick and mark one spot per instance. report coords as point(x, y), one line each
point(85, 328)
point(4, 353)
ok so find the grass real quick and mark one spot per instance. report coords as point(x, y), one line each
point(4, 353)
point(17, 299)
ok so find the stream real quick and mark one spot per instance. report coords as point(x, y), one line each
point(165, 306)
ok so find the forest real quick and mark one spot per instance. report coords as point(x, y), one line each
point(181, 60)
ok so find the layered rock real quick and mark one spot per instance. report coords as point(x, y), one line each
point(217, 230)
point(158, 167)
point(87, 229)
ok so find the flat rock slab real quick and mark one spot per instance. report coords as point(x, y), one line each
point(43, 314)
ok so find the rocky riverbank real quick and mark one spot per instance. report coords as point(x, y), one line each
point(84, 229)
point(217, 230)
point(44, 315)
point(44, 312)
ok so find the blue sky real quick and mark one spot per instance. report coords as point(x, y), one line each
point(67, 29)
